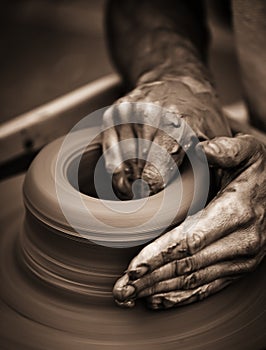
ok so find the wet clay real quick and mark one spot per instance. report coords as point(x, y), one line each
point(56, 291)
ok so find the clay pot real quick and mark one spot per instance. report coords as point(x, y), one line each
point(59, 191)
point(57, 278)
point(72, 255)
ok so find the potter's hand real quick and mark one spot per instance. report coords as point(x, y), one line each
point(227, 240)
point(156, 107)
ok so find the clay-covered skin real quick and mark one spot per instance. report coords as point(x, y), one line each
point(226, 240)
point(161, 99)
point(159, 47)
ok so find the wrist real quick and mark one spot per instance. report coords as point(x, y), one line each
point(175, 59)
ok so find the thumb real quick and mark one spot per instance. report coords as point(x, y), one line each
point(230, 152)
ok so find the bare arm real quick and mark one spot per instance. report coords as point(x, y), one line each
point(145, 34)
point(160, 48)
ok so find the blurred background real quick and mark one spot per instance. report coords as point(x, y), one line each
point(51, 47)
point(48, 48)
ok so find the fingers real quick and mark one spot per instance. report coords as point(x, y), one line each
point(110, 142)
point(230, 269)
point(142, 122)
point(161, 167)
point(203, 276)
point(180, 243)
point(195, 234)
point(165, 153)
point(235, 246)
point(147, 118)
point(130, 130)
point(114, 162)
point(116, 152)
point(228, 211)
point(143, 114)
point(228, 152)
point(179, 298)
point(128, 148)
point(151, 135)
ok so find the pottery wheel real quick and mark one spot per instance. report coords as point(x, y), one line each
point(36, 316)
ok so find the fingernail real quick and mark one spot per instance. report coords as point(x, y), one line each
point(122, 293)
point(138, 272)
point(194, 243)
point(128, 291)
point(213, 147)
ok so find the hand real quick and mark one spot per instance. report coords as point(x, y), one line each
point(226, 240)
point(161, 104)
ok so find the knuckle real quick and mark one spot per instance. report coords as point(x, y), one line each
point(149, 281)
point(108, 114)
point(154, 289)
point(190, 281)
point(124, 109)
point(176, 268)
point(234, 151)
point(194, 243)
point(245, 213)
point(184, 266)
point(108, 111)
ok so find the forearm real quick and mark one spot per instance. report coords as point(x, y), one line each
point(151, 39)
point(159, 46)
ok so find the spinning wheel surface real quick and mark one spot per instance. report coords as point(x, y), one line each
point(64, 314)
point(33, 316)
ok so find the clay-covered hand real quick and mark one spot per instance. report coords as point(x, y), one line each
point(214, 247)
point(153, 111)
